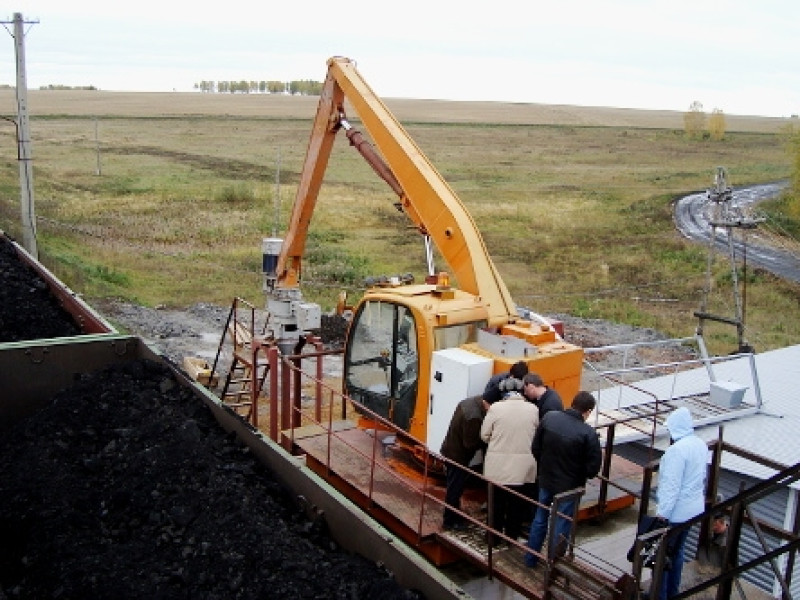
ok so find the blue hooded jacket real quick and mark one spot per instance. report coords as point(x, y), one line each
point(683, 470)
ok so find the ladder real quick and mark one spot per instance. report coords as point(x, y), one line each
point(246, 374)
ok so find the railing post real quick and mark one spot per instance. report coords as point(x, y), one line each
point(647, 485)
point(286, 403)
point(490, 500)
point(297, 391)
point(756, 385)
point(318, 348)
point(555, 509)
point(272, 361)
point(705, 535)
point(731, 557)
point(255, 387)
point(606, 471)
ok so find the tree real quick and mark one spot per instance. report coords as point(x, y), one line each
point(716, 124)
point(305, 87)
point(694, 120)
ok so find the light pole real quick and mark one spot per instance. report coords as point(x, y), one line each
point(24, 155)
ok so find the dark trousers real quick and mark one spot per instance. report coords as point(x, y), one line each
point(532, 492)
point(456, 480)
point(542, 520)
point(671, 580)
point(508, 510)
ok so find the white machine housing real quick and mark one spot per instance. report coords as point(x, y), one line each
point(456, 374)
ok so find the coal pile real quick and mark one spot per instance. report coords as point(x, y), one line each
point(125, 486)
point(333, 331)
point(28, 310)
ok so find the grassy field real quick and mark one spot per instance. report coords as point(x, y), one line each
point(574, 203)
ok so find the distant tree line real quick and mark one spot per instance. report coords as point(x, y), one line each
point(301, 87)
point(68, 87)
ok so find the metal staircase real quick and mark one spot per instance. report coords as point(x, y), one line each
point(245, 377)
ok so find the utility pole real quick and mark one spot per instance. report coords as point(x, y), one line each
point(24, 141)
point(726, 216)
point(276, 200)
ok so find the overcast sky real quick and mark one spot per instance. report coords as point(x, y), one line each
point(740, 56)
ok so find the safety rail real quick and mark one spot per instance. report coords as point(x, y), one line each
point(661, 377)
point(640, 397)
point(738, 510)
point(428, 480)
point(300, 397)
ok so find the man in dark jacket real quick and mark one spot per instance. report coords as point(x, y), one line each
point(497, 387)
point(462, 441)
point(545, 398)
point(568, 453)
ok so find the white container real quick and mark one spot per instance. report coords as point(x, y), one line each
point(455, 374)
point(728, 394)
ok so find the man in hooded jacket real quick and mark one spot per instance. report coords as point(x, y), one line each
point(681, 489)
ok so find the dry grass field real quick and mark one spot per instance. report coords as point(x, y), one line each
point(78, 103)
point(164, 199)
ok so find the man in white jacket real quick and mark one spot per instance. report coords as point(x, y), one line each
point(681, 489)
point(508, 430)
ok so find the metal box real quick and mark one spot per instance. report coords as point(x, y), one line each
point(727, 393)
point(456, 374)
point(309, 315)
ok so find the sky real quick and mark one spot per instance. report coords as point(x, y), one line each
point(739, 56)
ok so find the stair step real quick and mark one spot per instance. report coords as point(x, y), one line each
point(236, 395)
point(558, 592)
point(581, 580)
point(238, 404)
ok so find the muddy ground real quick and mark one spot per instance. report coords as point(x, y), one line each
point(197, 331)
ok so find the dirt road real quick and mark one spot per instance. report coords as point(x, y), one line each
point(692, 215)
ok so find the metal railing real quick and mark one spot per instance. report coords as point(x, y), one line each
point(639, 396)
point(299, 397)
point(739, 511)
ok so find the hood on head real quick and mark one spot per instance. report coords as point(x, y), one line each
point(679, 423)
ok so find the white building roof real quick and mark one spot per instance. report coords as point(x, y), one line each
point(774, 430)
point(771, 430)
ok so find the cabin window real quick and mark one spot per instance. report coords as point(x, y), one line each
point(457, 335)
point(382, 361)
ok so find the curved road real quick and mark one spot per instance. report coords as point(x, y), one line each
point(692, 220)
